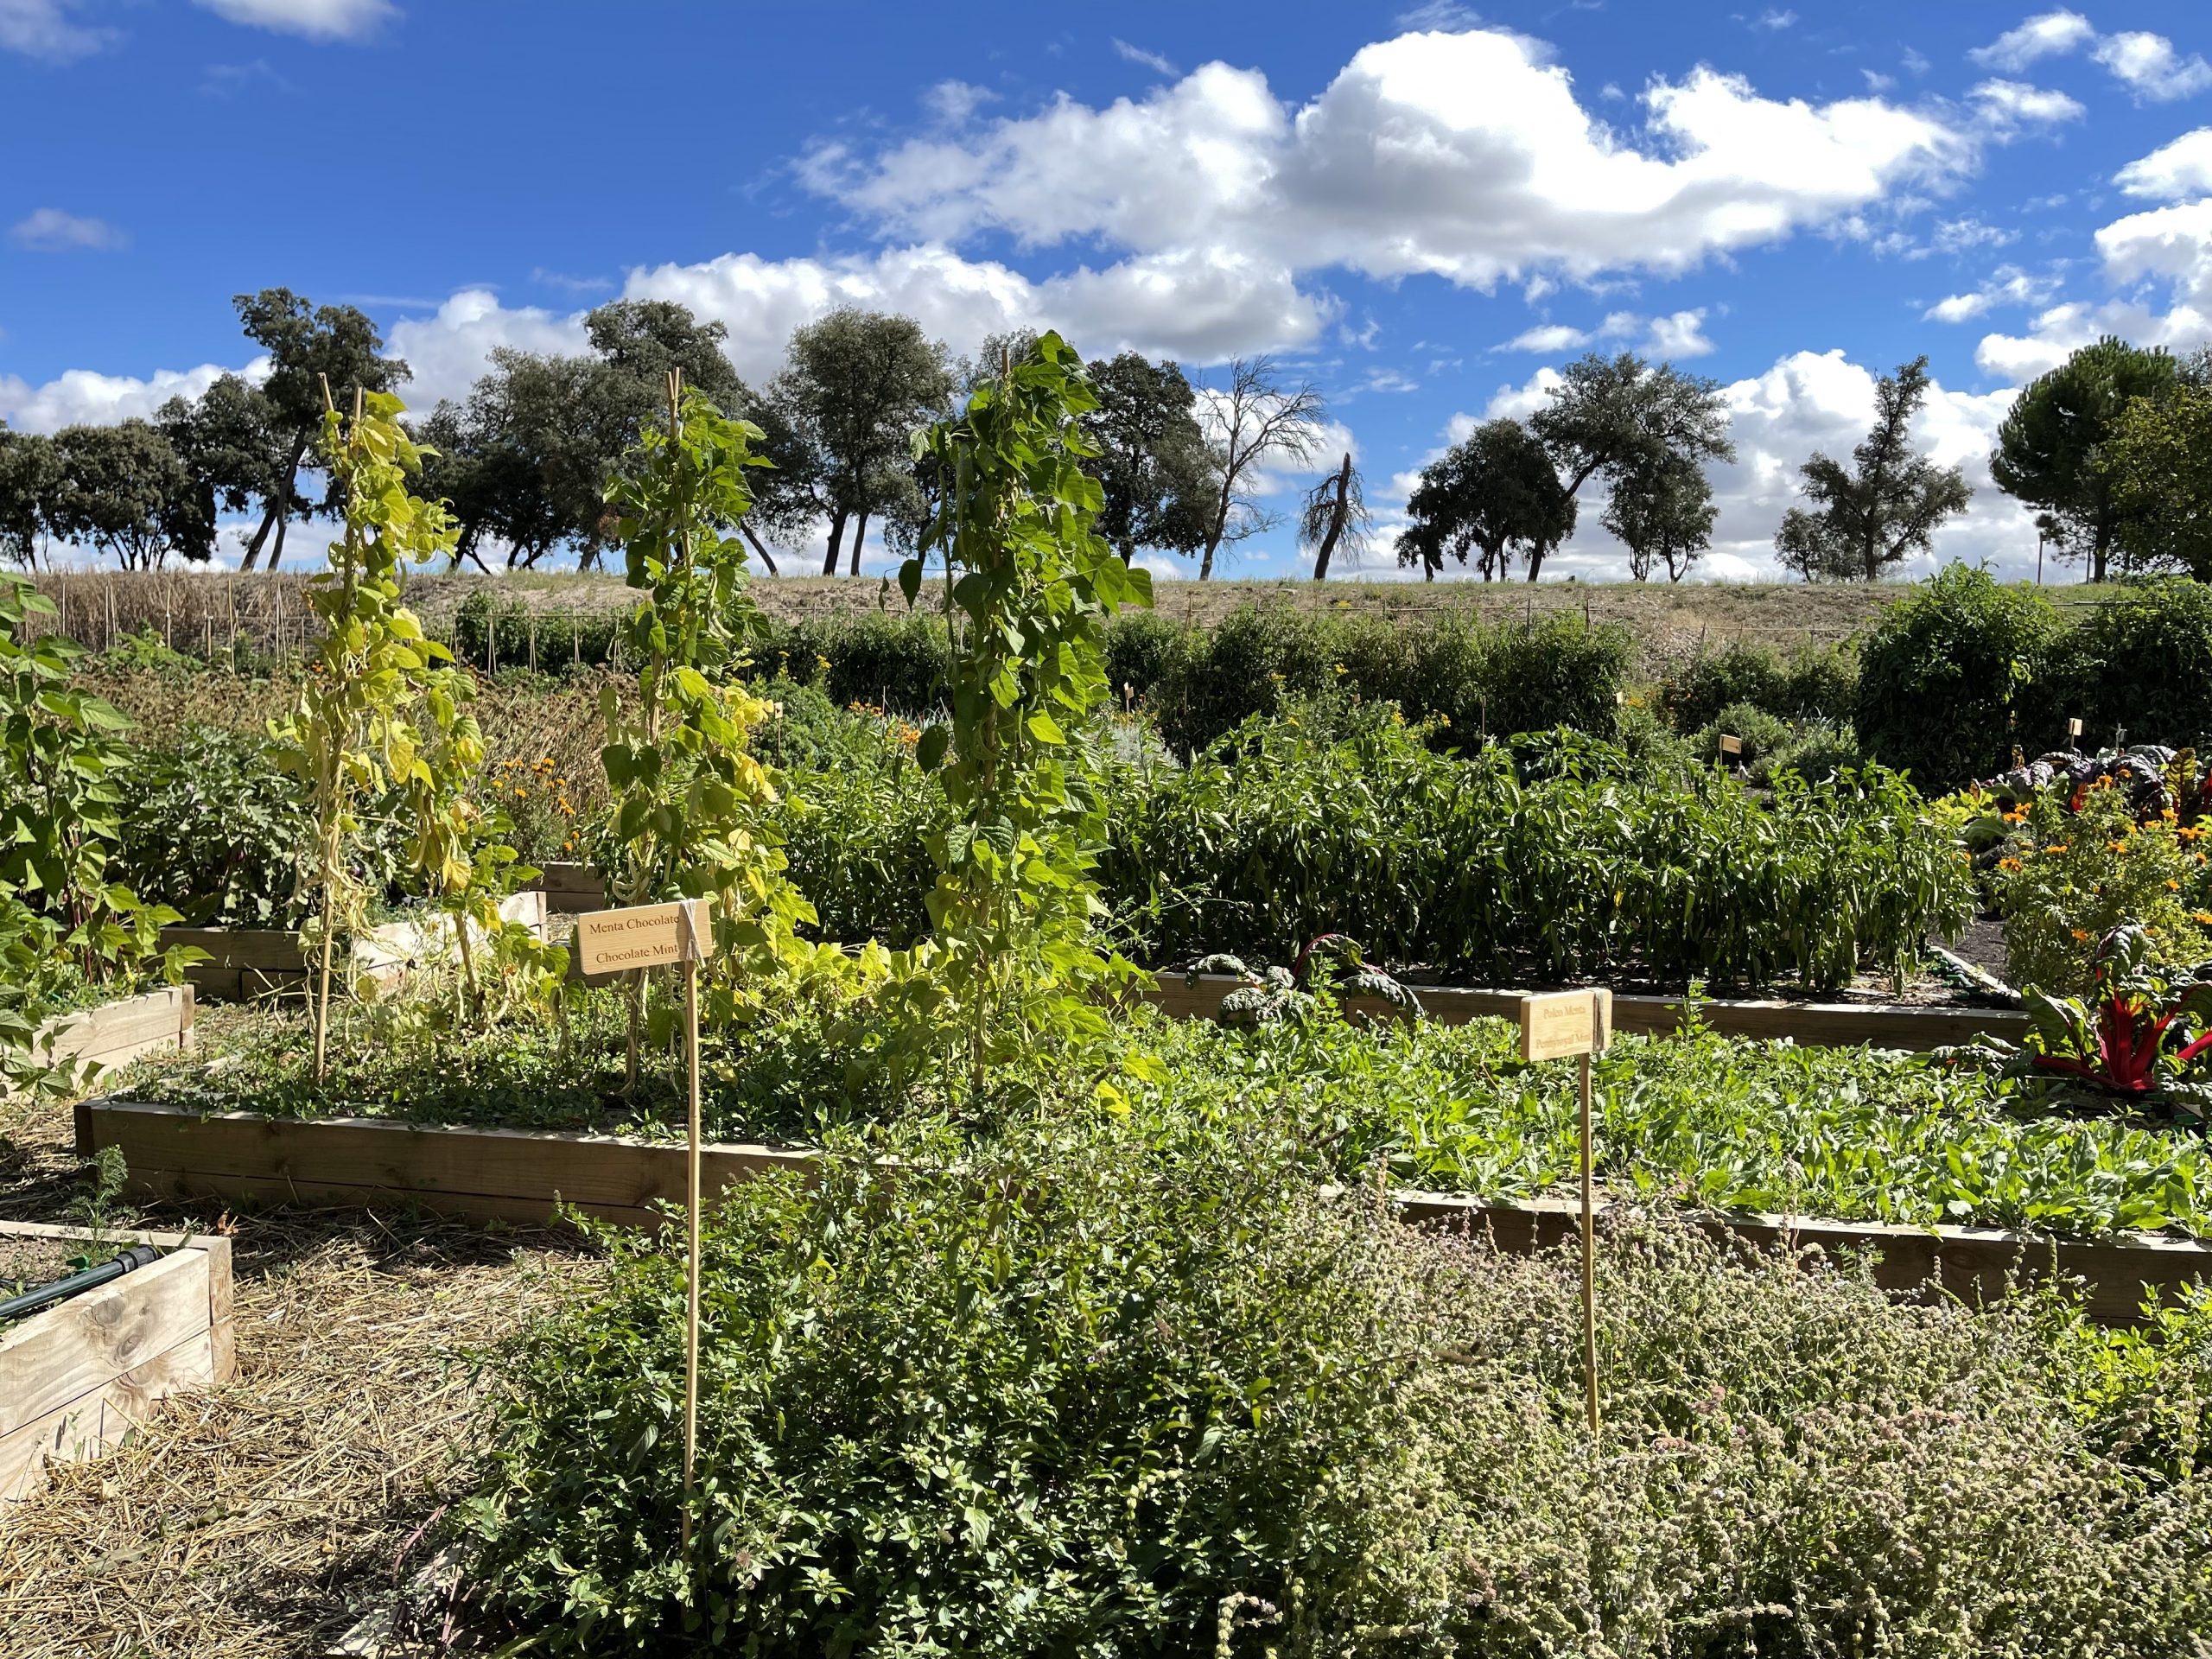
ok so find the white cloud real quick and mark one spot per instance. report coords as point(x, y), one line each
point(2145, 64)
point(2183, 167)
point(2014, 103)
point(317, 20)
point(2008, 285)
point(447, 350)
point(2050, 33)
point(82, 396)
point(1465, 155)
point(2163, 255)
point(42, 28)
point(1772, 19)
point(957, 101)
point(2149, 66)
point(1678, 336)
point(1547, 338)
point(1150, 60)
point(1806, 401)
point(49, 230)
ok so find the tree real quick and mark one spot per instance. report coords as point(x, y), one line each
point(30, 481)
point(854, 387)
point(1255, 419)
point(1153, 462)
point(124, 490)
point(233, 446)
point(1886, 506)
point(1662, 510)
point(1335, 515)
point(1621, 416)
point(2048, 448)
point(1495, 490)
point(2156, 464)
point(306, 346)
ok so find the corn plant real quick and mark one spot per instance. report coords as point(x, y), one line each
point(353, 734)
point(1030, 588)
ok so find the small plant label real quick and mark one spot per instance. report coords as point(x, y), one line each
point(644, 935)
point(1559, 1023)
point(1731, 746)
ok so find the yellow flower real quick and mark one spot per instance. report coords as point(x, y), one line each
point(2202, 918)
point(2173, 887)
point(820, 662)
point(2060, 848)
point(2116, 847)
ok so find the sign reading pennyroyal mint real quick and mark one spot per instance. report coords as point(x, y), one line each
point(644, 935)
point(1559, 1023)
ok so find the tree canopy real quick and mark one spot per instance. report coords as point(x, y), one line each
point(1494, 491)
point(1885, 506)
point(1159, 478)
point(2048, 448)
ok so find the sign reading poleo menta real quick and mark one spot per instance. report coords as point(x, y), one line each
point(1559, 1023)
point(644, 935)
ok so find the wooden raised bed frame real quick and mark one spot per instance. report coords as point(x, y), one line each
point(1825, 1025)
point(511, 1175)
point(248, 963)
point(77, 1378)
point(115, 1033)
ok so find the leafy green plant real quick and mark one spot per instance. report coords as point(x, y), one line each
point(1328, 969)
point(690, 805)
point(1945, 672)
point(1011, 962)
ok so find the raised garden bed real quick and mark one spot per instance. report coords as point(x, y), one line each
point(115, 1033)
point(570, 889)
point(1826, 1025)
point(518, 1176)
point(248, 963)
point(77, 1378)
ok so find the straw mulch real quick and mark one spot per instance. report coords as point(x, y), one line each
point(270, 1515)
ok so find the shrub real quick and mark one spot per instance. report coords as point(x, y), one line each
point(493, 635)
point(2142, 660)
point(896, 663)
point(1760, 732)
point(1942, 672)
point(1743, 671)
point(1109, 1391)
point(1140, 644)
point(2067, 878)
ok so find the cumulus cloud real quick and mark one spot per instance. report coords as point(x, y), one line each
point(2149, 66)
point(315, 20)
point(2007, 285)
point(82, 396)
point(2049, 35)
point(43, 29)
point(1466, 156)
point(1680, 335)
point(2014, 104)
point(2183, 167)
point(2146, 64)
point(2159, 264)
point(49, 230)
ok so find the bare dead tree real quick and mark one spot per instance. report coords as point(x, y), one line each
point(1335, 515)
point(1257, 419)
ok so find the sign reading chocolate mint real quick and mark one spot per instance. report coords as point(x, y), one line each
point(643, 936)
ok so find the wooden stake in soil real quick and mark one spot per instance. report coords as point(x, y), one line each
point(1553, 1026)
point(647, 936)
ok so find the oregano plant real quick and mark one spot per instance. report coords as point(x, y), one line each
point(1012, 961)
point(352, 733)
point(688, 801)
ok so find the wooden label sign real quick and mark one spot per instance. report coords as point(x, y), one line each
point(644, 935)
point(1731, 746)
point(1559, 1023)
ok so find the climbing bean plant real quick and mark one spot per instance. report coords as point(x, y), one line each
point(353, 733)
point(1011, 962)
point(688, 802)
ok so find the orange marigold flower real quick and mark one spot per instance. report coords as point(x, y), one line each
point(2060, 848)
point(2173, 887)
point(2201, 916)
point(2080, 935)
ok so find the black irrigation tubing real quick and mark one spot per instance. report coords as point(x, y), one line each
point(45, 1296)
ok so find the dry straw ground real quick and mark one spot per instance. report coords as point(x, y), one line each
point(271, 1516)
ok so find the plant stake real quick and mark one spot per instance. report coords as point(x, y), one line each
point(646, 936)
point(1552, 1026)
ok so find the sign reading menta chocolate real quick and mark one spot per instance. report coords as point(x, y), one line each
point(644, 935)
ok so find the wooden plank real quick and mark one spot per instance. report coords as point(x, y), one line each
point(185, 1186)
point(50, 1360)
point(235, 948)
point(97, 1422)
point(335, 1157)
point(571, 889)
point(1975, 1264)
point(1826, 1024)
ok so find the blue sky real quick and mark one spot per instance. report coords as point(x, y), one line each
point(1423, 211)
